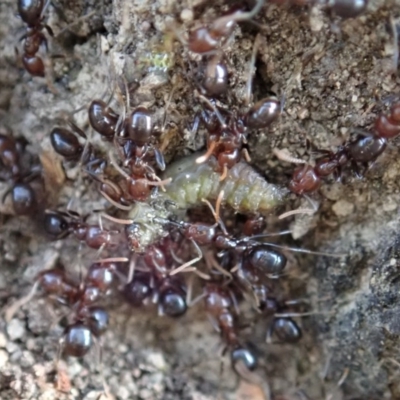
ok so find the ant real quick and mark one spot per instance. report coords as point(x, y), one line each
point(31, 12)
point(13, 168)
point(220, 305)
point(364, 150)
point(153, 279)
point(208, 39)
point(60, 224)
point(228, 130)
point(133, 140)
point(89, 320)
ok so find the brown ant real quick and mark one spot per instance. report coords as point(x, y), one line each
point(31, 12)
point(364, 150)
point(60, 224)
point(14, 160)
point(228, 129)
point(220, 305)
point(207, 39)
point(133, 140)
point(89, 320)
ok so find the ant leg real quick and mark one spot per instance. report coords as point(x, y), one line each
point(202, 159)
point(189, 263)
point(114, 203)
point(118, 220)
point(213, 263)
point(99, 351)
point(216, 212)
point(111, 260)
point(131, 271)
point(213, 107)
point(224, 173)
point(246, 155)
point(10, 311)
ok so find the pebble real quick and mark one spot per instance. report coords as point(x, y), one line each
point(3, 358)
point(343, 208)
point(15, 329)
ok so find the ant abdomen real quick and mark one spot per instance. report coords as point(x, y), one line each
point(34, 65)
point(263, 113)
point(30, 11)
point(244, 356)
point(215, 81)
point(173, 302)
point(23, 199)
point(139, 126)
point(265, 259)
point(367, 148)
point(103, 119)
point(65, 143)
point(78, 340)
point(287, 330)
point(348, 8)
point(137, 290)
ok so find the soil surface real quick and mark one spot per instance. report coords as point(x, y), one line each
point(335, 76)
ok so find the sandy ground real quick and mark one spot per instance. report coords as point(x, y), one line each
point(334, 76)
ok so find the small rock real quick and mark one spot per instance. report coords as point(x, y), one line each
point(3, 358)
point(3, 340)
point(342, 208)
point(15, 329)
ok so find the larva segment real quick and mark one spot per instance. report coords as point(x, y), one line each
point(245, 190)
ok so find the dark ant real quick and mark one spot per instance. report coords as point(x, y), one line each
point(31, 12)
point(206, 39)
point(89, 320)
point(13, 168)
point(220, 306)
point(364, 150)
point(169, 292)
point(133, 143)
point(61, 224)
point(228, 130)
point(286, 329)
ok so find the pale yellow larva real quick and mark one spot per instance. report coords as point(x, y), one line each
point(245, 190)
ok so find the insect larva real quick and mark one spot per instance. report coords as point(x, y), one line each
point(245, 190)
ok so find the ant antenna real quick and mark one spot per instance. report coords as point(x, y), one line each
point(242, 16)
point(298, 250)
point(216, 212)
